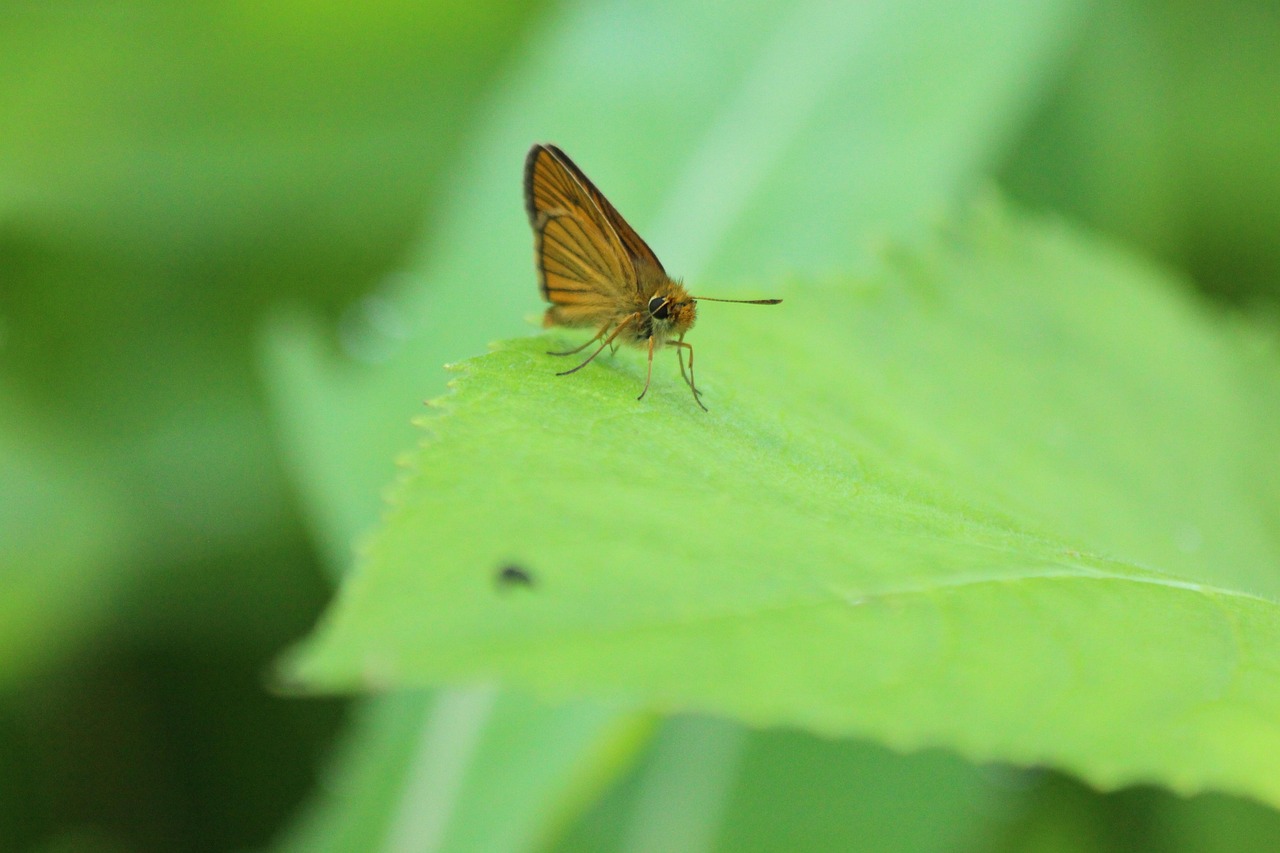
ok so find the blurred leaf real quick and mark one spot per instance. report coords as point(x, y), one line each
point(1101, 147)
point(61, 541)
point(1059, 815)
point(709, 785)
point(168, 170)
point(1163, 132)
point(798, 792)
point(182, 442)
point(165, 171)
point(209, 134)
point(1218, 824)
point(683, 787)
point(1226, 73)
point(474, 755)
point(1002, 497)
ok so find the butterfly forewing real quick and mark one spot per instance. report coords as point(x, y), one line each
point(582, 266)
point(637, 248)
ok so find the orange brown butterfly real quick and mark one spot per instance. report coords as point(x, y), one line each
point(597, 272)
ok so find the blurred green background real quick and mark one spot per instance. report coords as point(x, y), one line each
point(176, 178)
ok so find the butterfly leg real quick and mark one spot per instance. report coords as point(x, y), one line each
point(600, 334)
point(681, 346)
point(649, 374)
point(625, 322)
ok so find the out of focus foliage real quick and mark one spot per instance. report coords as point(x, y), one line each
point(168, 172)
point(181, 182)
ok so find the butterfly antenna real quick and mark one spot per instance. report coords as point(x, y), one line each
point(739, 301)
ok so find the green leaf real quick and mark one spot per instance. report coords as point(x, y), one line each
point(1011, 495)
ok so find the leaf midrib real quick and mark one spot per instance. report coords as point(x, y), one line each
point(849, 598)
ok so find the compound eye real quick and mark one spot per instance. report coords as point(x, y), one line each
point(658, 307)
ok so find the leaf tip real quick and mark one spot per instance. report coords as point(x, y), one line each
point(305, 671)
point(288, 676)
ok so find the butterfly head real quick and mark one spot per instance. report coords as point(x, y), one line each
point(673, 313)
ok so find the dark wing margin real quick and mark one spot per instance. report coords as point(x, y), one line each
point(530, 207)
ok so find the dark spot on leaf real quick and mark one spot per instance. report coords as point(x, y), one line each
point(512, 575)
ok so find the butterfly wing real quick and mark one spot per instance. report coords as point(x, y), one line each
point(637, 248)
point(583, 268)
